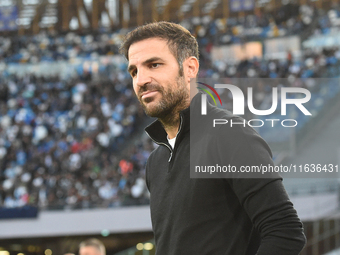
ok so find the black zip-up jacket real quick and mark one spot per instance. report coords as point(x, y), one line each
point(233, 216)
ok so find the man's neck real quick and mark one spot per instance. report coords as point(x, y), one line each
point(172, 120)
point(171, 125)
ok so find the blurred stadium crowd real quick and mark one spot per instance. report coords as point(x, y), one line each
point(59, 142)
point(66, 143)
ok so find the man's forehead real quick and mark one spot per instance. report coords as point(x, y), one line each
point(89, 250)
point(147, 47)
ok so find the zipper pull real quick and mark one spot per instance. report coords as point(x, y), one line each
point(170, 157)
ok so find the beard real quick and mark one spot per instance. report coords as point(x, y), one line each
point(173, 99)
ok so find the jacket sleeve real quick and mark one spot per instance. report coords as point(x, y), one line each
point(264, 199)
point(273, 216)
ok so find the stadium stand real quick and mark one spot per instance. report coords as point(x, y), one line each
point(68, 135)
point(59, 138)
point(59, 135)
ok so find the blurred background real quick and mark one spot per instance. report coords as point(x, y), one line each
point(72, 144)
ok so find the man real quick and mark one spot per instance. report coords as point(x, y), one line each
point(201, 216)
point(92, 246)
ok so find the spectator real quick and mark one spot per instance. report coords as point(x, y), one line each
point(92, 247)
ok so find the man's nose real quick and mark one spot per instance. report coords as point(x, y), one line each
point(143, 77)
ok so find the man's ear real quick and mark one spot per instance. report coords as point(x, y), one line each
point(190, 68)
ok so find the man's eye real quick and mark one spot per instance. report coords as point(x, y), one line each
point(154, 65)
point(133, 73)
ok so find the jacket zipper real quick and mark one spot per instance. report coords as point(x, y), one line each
point(179, 130)
point(160, 143)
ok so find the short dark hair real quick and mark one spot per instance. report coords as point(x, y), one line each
point(182, 44)
point(94, 243)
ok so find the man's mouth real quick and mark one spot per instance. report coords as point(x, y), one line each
point(148, 93)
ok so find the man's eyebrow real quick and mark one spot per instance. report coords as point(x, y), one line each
point(148, 61)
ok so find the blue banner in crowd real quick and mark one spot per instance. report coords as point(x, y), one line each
point(21, 212)
point(8, 18)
